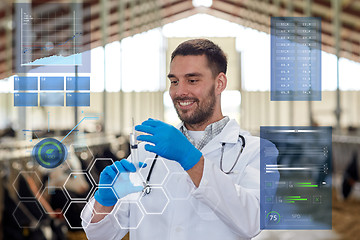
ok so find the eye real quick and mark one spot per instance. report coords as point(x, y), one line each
point(193, 80)
point(174, 82)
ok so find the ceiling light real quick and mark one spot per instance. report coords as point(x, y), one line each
point(202, 3)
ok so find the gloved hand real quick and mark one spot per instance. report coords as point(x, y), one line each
point(169, 143)
point(116, 177)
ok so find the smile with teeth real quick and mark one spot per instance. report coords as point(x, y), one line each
point(185, 103)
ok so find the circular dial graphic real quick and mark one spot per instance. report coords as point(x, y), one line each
point(49, 153)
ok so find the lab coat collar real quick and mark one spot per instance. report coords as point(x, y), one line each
point(230, 134)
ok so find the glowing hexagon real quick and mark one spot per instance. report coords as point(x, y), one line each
point(159, 167)
point(21, 217)
point(78, 153)
point(77, 186)
point(72, 214)
point(203, 210)
point(152, 206)
point(22, 179)
point(60, 194)
point(136, 212)
point(97, 167)
point(177, 187)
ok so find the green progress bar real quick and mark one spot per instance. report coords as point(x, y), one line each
point(296, 199)
point(307, 186)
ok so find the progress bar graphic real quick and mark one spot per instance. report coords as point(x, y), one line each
point(295, 177)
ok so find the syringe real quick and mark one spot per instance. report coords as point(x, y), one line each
point(134, 147)
point(134, 177)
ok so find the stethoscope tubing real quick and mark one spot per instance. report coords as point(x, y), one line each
point(147, 187)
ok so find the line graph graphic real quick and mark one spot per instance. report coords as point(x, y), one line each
point(50, 38)
point(84, 118)
point(49, 47)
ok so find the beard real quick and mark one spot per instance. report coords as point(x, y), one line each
point(203, 111)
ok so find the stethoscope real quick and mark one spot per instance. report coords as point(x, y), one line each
point(147, 187)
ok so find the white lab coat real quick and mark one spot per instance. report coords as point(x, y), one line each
point(224, 206)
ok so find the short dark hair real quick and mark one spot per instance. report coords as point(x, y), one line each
point(216, 58)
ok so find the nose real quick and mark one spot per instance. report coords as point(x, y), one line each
point(181, 89)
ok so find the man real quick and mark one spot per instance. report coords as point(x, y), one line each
point(207, 154)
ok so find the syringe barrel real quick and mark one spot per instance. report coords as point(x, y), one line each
point(134, 150)
point(133, 141)
point(135, 156)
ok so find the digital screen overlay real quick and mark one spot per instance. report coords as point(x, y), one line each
point(51, 91)
point(52, 40)
point(295, 59)
point(301, 198)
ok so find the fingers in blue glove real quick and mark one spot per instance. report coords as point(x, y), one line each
point(146, 129)
point(111, 171)
point(151, 148)
point(147, 138)
point(152, 122)
point(108, 175)
point(142, 165)
point(126, 166)
point(105, 195)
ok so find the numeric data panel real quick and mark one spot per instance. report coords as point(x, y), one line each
point(295, 59)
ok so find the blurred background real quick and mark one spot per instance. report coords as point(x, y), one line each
point(129, 43)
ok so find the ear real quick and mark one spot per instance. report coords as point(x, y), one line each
point(220, 83)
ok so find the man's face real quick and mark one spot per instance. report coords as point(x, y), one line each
point(192, 88)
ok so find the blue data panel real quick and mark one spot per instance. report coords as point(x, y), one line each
point(52, 83)
point(78, 83)
point(58, 54)
point(295, 59)
point(301, 198)
point(78, 99)
point(50, 99)
point(25, 83)
point(25, 99)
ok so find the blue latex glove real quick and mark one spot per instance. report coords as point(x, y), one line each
point(116, 177)
point(169, 143)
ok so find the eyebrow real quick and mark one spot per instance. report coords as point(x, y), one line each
point(170, 75)
point(194, 74)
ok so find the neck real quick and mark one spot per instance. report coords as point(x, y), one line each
point(201, 126)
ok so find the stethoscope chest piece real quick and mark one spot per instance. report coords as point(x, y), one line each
point(147, 189)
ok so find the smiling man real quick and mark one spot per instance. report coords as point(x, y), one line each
point(196, 84)
point(213, 164)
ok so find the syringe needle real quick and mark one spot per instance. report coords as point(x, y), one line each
point(133, 125)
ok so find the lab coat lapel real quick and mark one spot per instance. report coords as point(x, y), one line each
point(230, 134)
